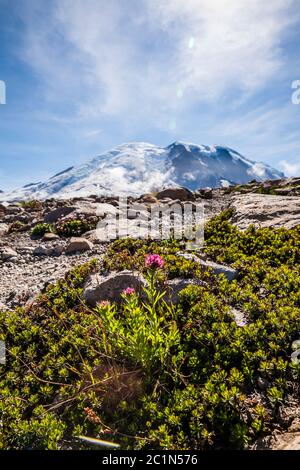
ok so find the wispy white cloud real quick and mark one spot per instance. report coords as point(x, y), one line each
point(157, 70)
point(157, 57)
point(290, 168)
point(223, 44)
point(91, 134)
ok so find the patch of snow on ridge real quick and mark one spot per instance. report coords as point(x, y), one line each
point(258, 169)
point(224, 183)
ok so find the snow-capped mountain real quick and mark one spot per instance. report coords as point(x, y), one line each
point(138, 167)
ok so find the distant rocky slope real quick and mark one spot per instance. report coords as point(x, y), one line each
point(28, 263)
point(139, 167)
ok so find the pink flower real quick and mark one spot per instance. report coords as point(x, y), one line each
point(129, 291)
point(154, 261)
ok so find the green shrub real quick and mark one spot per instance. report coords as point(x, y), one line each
point(40, 229)
point(145, 333)
point(75, 227)
point(32, 205)
point(155, 376)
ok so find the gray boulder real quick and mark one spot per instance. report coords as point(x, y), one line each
point(175, 286)
point(41, 250)
point(53, 250)
point(14, 209)
point(109, 286)
point(183, 194)
point(57, 249)
point(92, 236)
point(228, 272)
point(56, 214)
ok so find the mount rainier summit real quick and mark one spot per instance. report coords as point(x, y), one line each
point(138, 167)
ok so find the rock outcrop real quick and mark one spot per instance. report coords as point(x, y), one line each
point(265, 210)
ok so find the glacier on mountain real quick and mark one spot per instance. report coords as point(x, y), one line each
point(136, 168)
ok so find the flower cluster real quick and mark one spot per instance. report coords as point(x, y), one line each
point(154, 262)
point(129, 291)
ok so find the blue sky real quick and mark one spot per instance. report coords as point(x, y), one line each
point(85, 75)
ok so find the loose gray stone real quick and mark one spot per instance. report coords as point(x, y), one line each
point(49, 237)
point(41, 250)
point(3, 229)
point(7, 253)
point(56, 250)
point(78, 244)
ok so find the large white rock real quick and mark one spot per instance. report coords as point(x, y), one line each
point(287, 441)
point(266, 210)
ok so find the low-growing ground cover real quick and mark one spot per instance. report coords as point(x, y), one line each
point(147, 374)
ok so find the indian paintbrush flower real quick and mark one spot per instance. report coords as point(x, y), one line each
point(154, 261)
